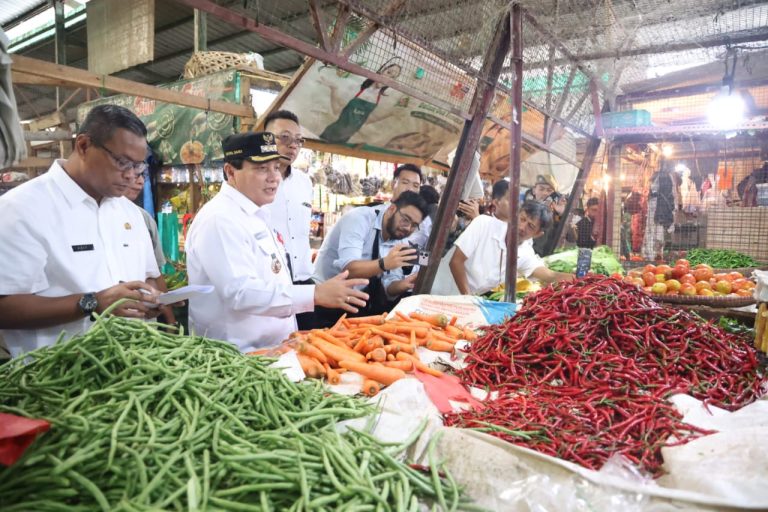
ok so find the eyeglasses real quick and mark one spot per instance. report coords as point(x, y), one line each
point(287, 139)
point(122, 163)
point(405, 220)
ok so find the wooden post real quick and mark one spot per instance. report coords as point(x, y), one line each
point(614, 162)
point(470, 137)
point(516, 143)
point(60, 46)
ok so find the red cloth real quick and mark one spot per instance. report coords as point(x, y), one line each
point(442, 389)
point(16, 434)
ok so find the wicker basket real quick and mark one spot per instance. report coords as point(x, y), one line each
point(205, 63)
point(698, 300)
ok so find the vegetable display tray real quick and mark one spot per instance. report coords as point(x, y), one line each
point(698, 300)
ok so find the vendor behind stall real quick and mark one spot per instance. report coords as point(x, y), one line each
point(231, 246)
point(71, 244)
point(478, 262)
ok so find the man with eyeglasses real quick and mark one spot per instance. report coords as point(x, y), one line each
point(232, 246)
point(72, 244)
point(370, 244)
point(291, 211)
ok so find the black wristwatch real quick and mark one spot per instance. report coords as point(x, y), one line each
point(88, 304)
point(381, 265)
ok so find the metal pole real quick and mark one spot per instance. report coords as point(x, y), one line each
point(470, 137)
point(516, 142)
point(201, 31)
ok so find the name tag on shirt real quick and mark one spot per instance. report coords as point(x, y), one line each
point(82, 248)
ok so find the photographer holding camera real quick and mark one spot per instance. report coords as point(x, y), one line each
point(545, 191)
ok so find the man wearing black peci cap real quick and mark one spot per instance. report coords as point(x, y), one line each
point(231, 246)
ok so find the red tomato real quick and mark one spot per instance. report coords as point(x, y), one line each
point(702, 274)
point(679, 271)
point(650, 268)
point(649, 279)
point(688, 278)
point(683, 262)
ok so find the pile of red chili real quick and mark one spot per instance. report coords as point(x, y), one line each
point(585, 368)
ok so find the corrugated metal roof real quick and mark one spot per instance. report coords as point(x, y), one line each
point(12, 9)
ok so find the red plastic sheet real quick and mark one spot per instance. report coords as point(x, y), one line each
point(442, 390)
point(16, 434)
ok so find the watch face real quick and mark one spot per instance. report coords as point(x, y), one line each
point(88, 303)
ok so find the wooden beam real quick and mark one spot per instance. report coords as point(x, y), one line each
point(338, 28)
point(318, 145)
point(276, 36)
point(690, 90)
point(19, 78)
point(200, 43)
point(33, 161)
point(515, 143)
point(392, 8)
point(47, 121)
point(470, 137)
point(81, 78)
point(52, 135)
point(319, 23)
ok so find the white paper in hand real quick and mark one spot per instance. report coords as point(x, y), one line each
point(184, 293)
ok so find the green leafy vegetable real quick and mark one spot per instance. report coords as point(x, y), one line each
point(604, 261)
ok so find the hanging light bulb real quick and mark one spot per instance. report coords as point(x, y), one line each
point(726, 110)
point(667, 150)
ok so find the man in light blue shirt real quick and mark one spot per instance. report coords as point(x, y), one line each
point(369, 243)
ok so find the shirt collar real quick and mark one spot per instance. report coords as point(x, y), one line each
point(73, 193)
point(237, 197)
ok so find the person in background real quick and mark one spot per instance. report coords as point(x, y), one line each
point(408, 177)
point(585, 226)
point(291, 211)
point(72, 244)
point(133, 193)
point(370, 244)
point(231, 246)
point(545, 191)
point(478, 263)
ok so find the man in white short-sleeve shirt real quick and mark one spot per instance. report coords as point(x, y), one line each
point(72, 245)
point(232, 247)
point(477, 263)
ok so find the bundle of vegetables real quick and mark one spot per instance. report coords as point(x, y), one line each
point(720, 258)
point(604, 261)
point(585, 370)
point(146, 420)
point(380, 350)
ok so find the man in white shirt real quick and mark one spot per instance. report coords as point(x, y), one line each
point(368, 243)
point(478, 262)
point(72, 245)
point(232, 247)
point(291, 211)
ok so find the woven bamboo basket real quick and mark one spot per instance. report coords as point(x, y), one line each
point(205, 63)
point(698, 300)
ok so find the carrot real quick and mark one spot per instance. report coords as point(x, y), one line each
point(362, 341)
point(335, 352)
point(469, 335)
point(370, 387)
point(406, 366)
point(390, 328)
point(374, 319)
point(308, 349)
point(402, 316)
point(440, 346)
point(391, 336)
point(339, 322)
point(438, 320)
point(311, 366)
point(401, 347)
point(328, 337)
point(331, 374)
point(391, 357)
point(452, 331)
point(453, 321)
point(436, 335)
point(374, 371)
point(402, 356)
point(413, 337)
point(377, 354)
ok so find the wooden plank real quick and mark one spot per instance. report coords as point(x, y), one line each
point(33, 161)
point(81, 78)
point(19, 78)
point(287, 89)
point(47, 121)
point(319, 23)
point(48, 135)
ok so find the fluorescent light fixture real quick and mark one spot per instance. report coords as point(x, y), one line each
point(726, 110)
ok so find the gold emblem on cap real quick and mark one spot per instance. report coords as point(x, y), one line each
point(269, 138)
point(127, 225)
